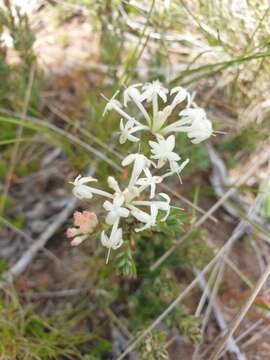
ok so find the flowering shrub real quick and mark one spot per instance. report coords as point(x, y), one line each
point(139, 199)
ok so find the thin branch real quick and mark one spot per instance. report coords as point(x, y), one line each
point(56, 294)
point(213, 280)
point(256, 336)
point(243, 335)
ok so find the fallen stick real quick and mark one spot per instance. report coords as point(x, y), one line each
point(56, 294)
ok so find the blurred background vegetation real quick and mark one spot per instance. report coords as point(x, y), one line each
point(56, 59)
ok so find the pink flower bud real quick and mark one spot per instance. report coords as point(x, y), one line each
point(77, 218)
point(92, 220)
point(85, 223)
point(71, 232)
point(78, 240)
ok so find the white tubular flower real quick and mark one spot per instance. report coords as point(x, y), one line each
point(112, 104)
point(181, 95)
point(132, 93)
point(131, 193)
point(151, 92)
point(114, 241)
point(194, 123)
point(115, 209)
point(115, 105)
point(148, 219)
point(157, 205)
point(149, 180)
point(113, 184)
point(82, 191)
point(162, 150)
point(128, 129)
point(140, 162)
point(160, 118)
point(200, 127)
point(176, 126)
point(164, 205)
point(176, 169)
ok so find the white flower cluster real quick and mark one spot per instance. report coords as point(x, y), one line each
point(121, 204)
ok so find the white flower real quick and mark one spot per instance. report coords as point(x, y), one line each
point(176, 169)
point(132, 93)
point(113, 184)
point(194, 123)
point(115, 209)
point(115, 105)
point(148, 219)
point(140, 162)
point(162, 150)
point(176, 126)
point(128, 129)
point(161, 117)
point(114, 241)
point(149, 180)
point(153, 90)
point(155, 205)
point(112, 104)
point(164, 205)
point(200, 127)
point(130, 193)
point(181, 95)
point(82, 191)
